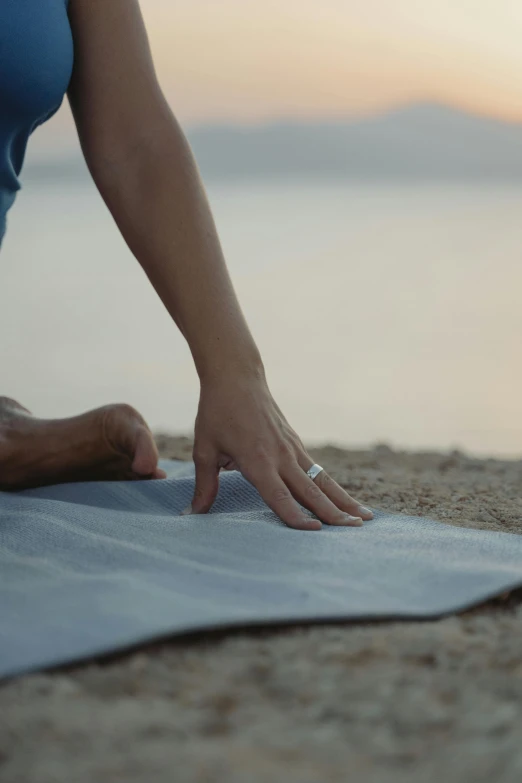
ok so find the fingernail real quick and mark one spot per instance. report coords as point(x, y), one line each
point(352, 520)
point(365, 510)
point(187, 510)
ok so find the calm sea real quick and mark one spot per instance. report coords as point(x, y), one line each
point(384, 313)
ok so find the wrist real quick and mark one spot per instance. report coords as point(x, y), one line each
point(236, 364)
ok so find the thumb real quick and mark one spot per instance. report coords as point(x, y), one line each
point(206, 489)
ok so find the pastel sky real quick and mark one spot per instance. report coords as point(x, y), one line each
point(257, 60)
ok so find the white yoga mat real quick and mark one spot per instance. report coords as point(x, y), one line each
point(92, 568)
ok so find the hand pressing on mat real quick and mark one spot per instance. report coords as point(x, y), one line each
point(240, 426)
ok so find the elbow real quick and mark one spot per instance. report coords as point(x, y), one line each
point(118, 149)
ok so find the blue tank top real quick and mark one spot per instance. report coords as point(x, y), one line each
point(36, 57)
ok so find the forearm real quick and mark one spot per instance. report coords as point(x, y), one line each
point(158, 201)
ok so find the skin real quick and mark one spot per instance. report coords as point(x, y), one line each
point(144, 169)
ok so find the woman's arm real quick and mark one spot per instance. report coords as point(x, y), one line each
point(145, 172)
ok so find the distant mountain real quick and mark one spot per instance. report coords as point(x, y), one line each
point(417, 142)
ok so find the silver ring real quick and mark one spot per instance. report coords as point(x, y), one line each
point(314, 471)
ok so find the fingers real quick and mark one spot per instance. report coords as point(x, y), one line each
point(338, 496)
point(207, 483)
point(278, 497)
point(310, 495)
point(283, 488)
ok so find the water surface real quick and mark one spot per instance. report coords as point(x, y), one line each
point(384, 313)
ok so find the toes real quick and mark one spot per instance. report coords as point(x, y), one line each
point(128, 435)
point(145, 462)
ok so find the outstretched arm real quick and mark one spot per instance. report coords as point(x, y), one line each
point(144, 169)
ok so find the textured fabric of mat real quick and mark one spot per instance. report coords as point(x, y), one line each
point(92, 568)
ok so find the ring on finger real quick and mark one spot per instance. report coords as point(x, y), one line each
point(314, 471)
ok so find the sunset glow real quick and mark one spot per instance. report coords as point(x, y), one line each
point(246, 60)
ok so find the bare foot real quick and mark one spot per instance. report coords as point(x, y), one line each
point(108, 444)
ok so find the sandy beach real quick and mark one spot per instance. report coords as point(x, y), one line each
point(373, 702)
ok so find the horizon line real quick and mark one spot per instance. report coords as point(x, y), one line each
point(352, 117)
